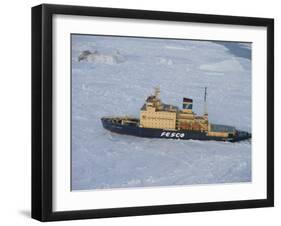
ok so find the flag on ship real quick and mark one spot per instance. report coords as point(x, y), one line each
point(187, 103)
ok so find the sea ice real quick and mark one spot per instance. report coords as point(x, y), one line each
point(114, 76)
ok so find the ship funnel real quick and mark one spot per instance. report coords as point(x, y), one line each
point(187, 103)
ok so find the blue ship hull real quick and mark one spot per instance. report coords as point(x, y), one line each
point(134, 130)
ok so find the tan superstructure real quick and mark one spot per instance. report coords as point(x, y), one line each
point(155, 114)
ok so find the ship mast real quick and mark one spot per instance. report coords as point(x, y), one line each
point(157, 92)
point(157, 97)
point(205, 102)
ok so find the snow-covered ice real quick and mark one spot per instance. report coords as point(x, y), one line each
point(112, 76)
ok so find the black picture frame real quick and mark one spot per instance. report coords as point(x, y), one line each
point(42, 106)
